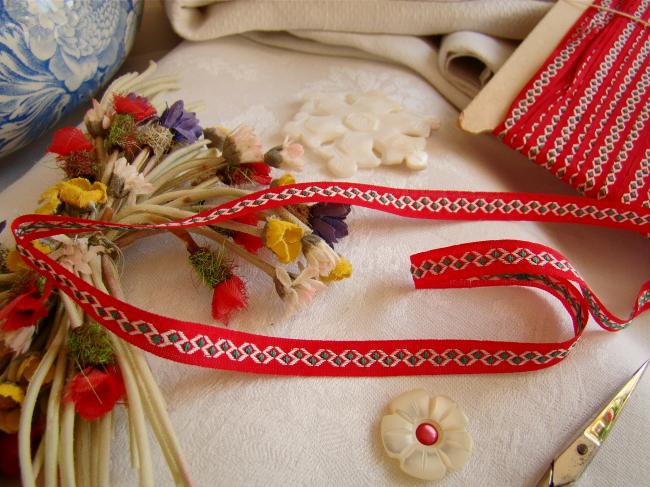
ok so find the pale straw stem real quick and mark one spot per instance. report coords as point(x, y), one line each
point(184, 171)
point(141, 159)
point(179, 472)
point(151, 163)
point(208, 182)
point(31, 396)
point(75, 315)
point(66, 455)
point(195, 194)
point(132, 83)
point(82, 453)
point(133, 444)
point(52, 433)
point(105, 438)
point(134, 429)
point(108, 168)
point(176, 213)
point(95, 428)
point(176, 156)
point(152, 398)
point(38, 460)
point(136, 412)
point(185, 179)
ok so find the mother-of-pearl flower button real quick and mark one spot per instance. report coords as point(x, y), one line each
point(361, 131)
point(426, 434)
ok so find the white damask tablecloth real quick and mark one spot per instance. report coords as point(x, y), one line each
point(240, 429)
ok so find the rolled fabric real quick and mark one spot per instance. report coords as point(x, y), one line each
point(467, 60)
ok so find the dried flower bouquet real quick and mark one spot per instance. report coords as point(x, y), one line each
point(137, 161)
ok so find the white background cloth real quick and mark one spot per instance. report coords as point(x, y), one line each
point(240, 429)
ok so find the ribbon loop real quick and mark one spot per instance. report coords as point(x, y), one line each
point(488, 263)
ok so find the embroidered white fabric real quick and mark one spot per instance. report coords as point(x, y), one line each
point(239, 429)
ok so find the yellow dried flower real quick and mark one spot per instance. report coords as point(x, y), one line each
point(81, 193)
point(77, 192)
point(284, 180)
point(46, 249)
point(10, 421)
point(28, 367)
point(11, 395)
point(284, 239)
point(15, 262)
point(342, 270)
point(50, 200)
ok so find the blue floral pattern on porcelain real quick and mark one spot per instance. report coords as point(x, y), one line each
point(54, 55)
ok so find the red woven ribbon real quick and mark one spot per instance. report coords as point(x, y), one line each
point(491, 263)
point(585, 115)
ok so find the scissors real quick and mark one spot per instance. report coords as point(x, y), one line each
point(569, 465)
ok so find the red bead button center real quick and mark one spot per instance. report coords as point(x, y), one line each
point(426, 434)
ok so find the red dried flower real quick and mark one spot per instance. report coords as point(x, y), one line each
point(69, 139)
point(251, 243)
point(258, 172)
point(26, 308)
point(229, 296)
point(95, 392)
point(130, 146)
point(247, 173)
point(135, 105)
point(79, 165)
point(9, 463)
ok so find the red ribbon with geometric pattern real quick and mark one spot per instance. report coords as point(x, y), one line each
point(479, 264)
point(585, 115)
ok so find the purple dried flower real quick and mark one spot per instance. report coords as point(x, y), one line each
point(328, 221)
point(3, 224)
point(184, 124)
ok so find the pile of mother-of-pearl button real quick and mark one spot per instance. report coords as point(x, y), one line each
point(361, 131)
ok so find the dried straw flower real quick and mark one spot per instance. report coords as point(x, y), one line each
point(156, 136)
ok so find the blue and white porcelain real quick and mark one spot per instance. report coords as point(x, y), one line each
point(55, 54)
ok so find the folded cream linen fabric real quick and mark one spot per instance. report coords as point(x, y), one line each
point(468, 60)
point(378, 29)
point(246, 430)
point(199, 20)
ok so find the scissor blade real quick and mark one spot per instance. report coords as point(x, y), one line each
point(573, 461)
point(600, 427)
